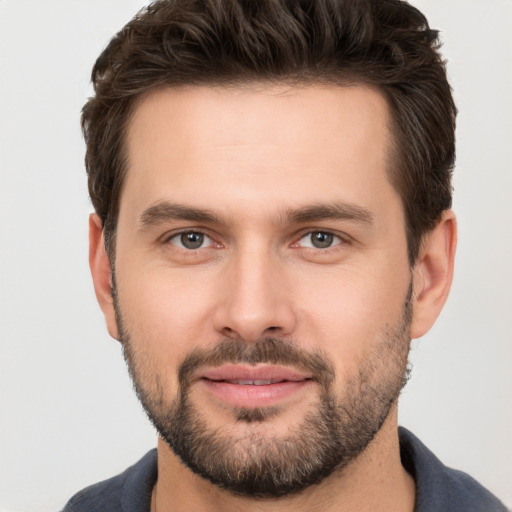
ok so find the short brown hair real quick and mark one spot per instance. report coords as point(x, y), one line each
point(387, 44)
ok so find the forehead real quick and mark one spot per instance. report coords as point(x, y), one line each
point(286, 144)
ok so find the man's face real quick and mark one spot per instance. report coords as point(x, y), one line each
point(261, 278)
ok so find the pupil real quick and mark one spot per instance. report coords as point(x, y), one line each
point(322, 240)
point(192, 240)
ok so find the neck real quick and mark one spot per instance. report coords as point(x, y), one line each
point(375, 480)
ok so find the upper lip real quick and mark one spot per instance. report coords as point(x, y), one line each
point(238, 372)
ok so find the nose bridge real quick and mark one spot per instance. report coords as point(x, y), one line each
point(255, 301)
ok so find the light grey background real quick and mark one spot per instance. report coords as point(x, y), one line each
point(68, 414)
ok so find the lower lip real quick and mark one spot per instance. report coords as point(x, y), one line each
point(251, 396)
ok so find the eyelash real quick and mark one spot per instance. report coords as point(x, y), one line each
point(168, 239)
point(338, 239)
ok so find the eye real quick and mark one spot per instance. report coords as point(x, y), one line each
point(191, 240)
point(319, 240)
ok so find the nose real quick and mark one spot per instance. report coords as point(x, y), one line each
point(254, 300)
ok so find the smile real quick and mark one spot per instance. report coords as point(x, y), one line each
point(252, 387)
point(252, 382)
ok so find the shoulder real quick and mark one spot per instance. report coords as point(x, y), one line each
point(439, 488)
point(129, 491)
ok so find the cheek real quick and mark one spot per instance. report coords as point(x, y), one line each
point(164, 299)
point(165, 318)
point(349, 313)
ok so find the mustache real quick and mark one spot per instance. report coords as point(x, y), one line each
point(267, 350)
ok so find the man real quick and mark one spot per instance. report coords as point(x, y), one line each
point(272, 187)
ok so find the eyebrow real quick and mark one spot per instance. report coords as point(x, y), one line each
point(165, 211)
point(336, 211)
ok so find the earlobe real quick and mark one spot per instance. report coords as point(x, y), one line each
point(433, 274)
point(101, 271)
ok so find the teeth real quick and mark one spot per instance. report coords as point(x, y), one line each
point(250, 382)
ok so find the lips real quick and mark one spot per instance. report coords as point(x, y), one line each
point(247, 373)
point(252, 382)
point(253, 386)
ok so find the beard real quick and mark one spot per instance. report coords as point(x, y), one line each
point(252, 461)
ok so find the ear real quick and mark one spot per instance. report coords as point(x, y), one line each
point(101, 273)
point(433, 274)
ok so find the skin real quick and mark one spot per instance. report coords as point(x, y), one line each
point(251, 156)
